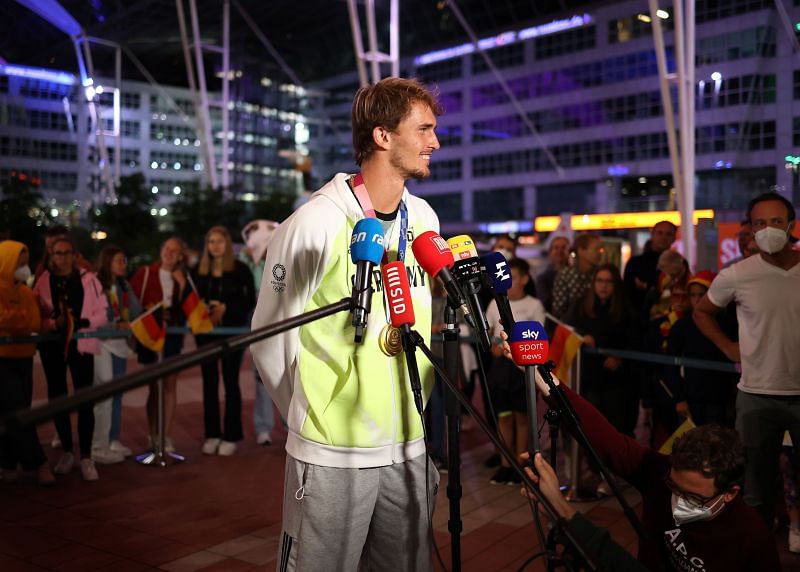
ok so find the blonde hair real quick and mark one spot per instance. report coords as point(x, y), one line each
point(204, 266)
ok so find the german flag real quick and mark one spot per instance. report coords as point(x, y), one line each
point(149, 329)
point(563, 349)
point(196, 313)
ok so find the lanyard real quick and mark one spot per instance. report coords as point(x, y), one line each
point(360, 190)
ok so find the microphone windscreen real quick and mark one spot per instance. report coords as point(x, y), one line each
point(529, 344)
point(432, 252)
point(462, 247)
point(366, 243)
point(497, 270)
point(398, 294)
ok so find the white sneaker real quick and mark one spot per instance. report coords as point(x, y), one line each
point(794, 540)
point(55, 443)
point(118, 447)
point(107, 456)
point(65, 464)
point(88, 470)
point(264, 438)
point(210, 446)
point(226, 448)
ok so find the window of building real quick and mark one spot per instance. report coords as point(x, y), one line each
point(173, 134)
point(451, 101)
point(159, 104)
point(167, 160)
point(750, 43)
point(502, 57)
point(449, 135)
point(568, 42)
point(440, 71)
point(569, 197)
point(706, 10)
point(731, 189)
point(40, 89)
point(446, 170)
point(446, 205)
point(635, 26)
point(498, 204)
point(796, 131)
point(3, 84)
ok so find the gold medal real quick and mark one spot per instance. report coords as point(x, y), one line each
point(390, 341)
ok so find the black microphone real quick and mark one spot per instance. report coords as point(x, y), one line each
point(497, 276)
point(467, 270)
point(366, 250)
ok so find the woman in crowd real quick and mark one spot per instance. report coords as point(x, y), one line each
point(19, 316)
point(572, 282)
point(163, 282)
point(226, 286)
point(70, 300)
point(111, 362)
point(604, 320)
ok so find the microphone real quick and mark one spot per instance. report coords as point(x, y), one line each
point(529, 347)
point(366, 250)
point(401, 315)
point(498, 278)
point(433, 253)
point(467, 269)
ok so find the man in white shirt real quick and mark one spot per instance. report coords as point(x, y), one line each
point(766, 289)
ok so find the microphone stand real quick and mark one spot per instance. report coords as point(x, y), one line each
point(565, 410)
point(417, 340)
point(409, 349)
point(452, 410)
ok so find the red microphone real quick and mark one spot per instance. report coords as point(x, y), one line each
point(401, 315)
point(434, 255)
point(398, 293)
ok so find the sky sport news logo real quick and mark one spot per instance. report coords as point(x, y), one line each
point(529, 344)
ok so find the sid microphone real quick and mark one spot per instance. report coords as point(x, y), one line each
point(366, 250)
point(433, 253)
point(496, 271)
point(467, 269)
point(401, 315)
point(529, 347)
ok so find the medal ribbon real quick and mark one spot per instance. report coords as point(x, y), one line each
point(360, 190)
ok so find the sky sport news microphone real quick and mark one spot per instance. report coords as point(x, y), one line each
point(467, 270)
point(529, 348)
point(366, 250)
point(354, 436)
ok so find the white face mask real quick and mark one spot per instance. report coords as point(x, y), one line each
point(771, 239)
point(684, 511)
point(22, 273)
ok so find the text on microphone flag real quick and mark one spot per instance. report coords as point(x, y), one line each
point(398, 294)
point(366, 243)
point(497, 269)
point(529, 344)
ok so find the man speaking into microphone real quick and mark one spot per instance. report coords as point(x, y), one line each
point(355, 491)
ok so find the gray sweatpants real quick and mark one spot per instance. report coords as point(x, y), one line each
point(357, 519)
point(761, 421)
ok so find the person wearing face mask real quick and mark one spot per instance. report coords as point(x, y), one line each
point(766, 289)
point(19, 316)
point(692, 513)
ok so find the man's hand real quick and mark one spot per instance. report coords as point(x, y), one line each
point(547, 481)
point(589, 341)
point(682, 409)
point(731, 351)
point(612, 363)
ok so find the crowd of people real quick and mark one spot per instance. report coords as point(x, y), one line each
point(69, 295)
point(355, 443)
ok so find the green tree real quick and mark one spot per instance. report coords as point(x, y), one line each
point(24, 215)
point(198, 211)
point(128, 223)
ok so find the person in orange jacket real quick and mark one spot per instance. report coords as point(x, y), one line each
point(19, 316)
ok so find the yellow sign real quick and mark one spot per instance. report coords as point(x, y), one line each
point(617, 220)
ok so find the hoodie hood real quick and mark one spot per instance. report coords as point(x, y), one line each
point(9, 255)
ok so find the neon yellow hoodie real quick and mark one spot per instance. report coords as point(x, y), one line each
point(346, 405)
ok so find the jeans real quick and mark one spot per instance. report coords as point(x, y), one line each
point(16, 392)
point(107, 413)
point(232, 427)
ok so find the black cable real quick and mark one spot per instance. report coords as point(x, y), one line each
point(428, 495)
